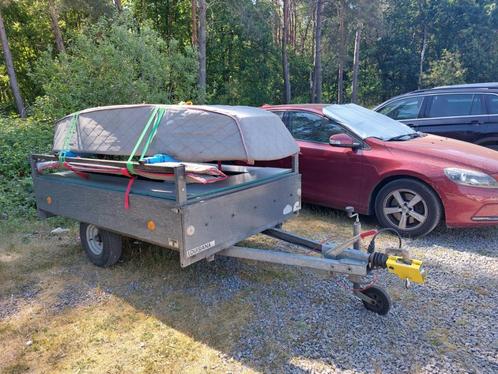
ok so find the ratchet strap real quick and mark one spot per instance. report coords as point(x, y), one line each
point(127, 192)
point(79, 173)
point(154, 121)
point(69, 135)
point(150, 127)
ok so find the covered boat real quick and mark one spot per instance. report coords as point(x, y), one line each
point(186, 132)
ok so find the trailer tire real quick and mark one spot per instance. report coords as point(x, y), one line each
point(103, 248)
point(382, 301)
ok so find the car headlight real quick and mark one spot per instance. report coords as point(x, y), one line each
point(473, 178)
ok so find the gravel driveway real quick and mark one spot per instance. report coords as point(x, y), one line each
point(446, 325)
point(269, 318)
point(310, 323)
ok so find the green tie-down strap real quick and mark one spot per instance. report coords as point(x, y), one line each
point(69, 135)
point(154, 120)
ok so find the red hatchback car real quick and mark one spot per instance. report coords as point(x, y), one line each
point(411, 181)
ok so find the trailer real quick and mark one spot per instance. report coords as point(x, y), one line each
point(165, 203)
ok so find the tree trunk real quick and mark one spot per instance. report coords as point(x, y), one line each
point(54, 22)
point(422, 58)
point(341, 55)
point(10, 70)
point(118, 5)
point(422, 6)
point(356, 65)
point(172, 5)
point(310, 80)
point(194, 22)
point(317, 63)
point(294, 23)
point(276, 22)
point(304, 35)
point(202, 51)
point(285, 58)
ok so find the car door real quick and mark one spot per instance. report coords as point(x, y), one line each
point(405, 110)
point(454, 115)
point(331, 176)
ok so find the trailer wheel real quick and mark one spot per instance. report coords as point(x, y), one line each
point(102, 247)
point(382, 301)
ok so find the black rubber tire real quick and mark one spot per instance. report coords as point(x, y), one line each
point(433, 204)
point(112, 246)
point(382, 300)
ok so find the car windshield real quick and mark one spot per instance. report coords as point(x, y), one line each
point(367, 123)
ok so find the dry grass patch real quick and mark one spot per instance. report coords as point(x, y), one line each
point(440, 338)
point(111, 337)
point(59, 313)
point(80, 318)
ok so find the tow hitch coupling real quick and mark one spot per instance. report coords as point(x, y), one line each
point(408, 269)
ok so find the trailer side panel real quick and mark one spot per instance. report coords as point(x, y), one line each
point(105, 208)
point(214, 224)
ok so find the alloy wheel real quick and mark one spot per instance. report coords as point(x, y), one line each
point(405, 209)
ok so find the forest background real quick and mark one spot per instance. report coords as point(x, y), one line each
point(60, 56)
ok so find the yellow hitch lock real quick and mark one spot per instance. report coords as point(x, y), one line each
point(406, 269)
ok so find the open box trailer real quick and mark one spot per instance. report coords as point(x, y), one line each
point(202, 221)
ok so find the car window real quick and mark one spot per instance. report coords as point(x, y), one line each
point(407, 108)
point(492, 104)
point(478, 107)
point(283, 118)
point(279, 113)
point(312, 127)
point(451, 105)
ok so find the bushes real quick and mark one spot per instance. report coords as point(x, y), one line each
point(110, 62)
point(19, 138)
point(114, 62)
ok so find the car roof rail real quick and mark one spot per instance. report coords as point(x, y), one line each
point(469, 85)
point(487, 85)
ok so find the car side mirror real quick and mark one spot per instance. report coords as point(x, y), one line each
point(344, 141)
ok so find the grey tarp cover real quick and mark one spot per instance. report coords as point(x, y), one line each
point(186, 132)
point(365, 122)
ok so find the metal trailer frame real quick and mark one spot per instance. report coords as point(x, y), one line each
point(197, 228)
point(202, 227)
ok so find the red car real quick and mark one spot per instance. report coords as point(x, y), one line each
point(411, 181)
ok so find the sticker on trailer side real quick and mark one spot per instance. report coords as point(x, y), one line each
point(201, 248)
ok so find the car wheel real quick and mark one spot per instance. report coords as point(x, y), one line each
point(102, 247)
point(408, 206)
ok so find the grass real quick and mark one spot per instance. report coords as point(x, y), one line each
point(109, 331)
point(440, 339)
point(66, 315)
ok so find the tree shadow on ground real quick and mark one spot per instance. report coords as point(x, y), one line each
point(272, 318)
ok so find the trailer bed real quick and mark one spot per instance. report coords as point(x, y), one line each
point(239, 177)
point(207, 219)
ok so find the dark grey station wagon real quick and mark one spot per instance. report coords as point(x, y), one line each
point(466, 112)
